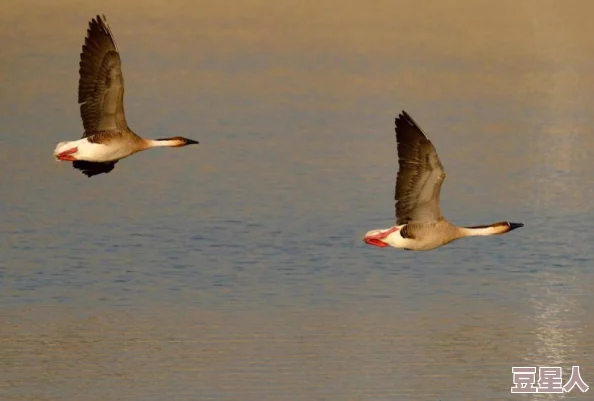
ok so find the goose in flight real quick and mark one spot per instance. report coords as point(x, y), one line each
point(419, 223)
point(107, 137)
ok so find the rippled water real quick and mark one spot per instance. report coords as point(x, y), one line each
point(235, 270)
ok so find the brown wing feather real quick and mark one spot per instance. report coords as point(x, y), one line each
point(101, 83)
point(420, 176)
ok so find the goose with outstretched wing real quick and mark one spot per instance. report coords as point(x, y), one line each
point(107, 137)
point(419, 223)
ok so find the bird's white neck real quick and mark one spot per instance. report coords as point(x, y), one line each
point(153, 143)
point(493, 229)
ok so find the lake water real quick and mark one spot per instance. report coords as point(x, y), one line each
point(235, 270)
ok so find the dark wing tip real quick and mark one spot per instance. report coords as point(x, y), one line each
point(102, 21)
point(99, 20)
point(93, 168)
point(404, 120)
point(99, 24)
point(404, 117)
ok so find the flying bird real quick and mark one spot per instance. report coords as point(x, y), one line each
point(107, 137)
point(419, 223)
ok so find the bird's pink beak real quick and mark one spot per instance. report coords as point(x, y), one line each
point(377, 238)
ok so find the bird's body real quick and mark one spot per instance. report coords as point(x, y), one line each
point(419, 223)
point(107, 137)
point(100, 152)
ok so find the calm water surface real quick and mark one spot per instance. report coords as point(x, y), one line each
point(235, 270)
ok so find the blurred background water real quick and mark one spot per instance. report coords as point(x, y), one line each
point(235, 270)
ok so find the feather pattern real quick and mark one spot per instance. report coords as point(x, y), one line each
point(419, 179)
point(101, 83)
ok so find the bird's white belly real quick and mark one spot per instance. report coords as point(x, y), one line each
point(94, 152)
point(408, 243)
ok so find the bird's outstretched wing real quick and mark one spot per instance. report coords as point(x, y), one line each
point(420, 176)
point(93, 168)
point(101, 83)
